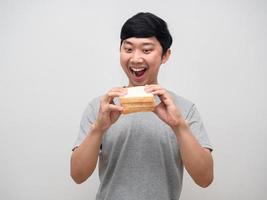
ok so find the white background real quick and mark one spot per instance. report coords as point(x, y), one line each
point(55, 56)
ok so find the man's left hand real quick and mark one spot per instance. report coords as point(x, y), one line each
point(166, 110)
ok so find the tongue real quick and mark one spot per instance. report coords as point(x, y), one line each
point(139, 73)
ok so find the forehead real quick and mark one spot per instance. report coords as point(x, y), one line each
point(141, 41)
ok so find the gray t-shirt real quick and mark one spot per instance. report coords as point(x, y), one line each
point(139, 157)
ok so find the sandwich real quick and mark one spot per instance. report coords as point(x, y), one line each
point(137, 100)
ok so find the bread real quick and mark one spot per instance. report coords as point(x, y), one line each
point(137, 100)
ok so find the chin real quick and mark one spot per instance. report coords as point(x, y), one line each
point(138, 84)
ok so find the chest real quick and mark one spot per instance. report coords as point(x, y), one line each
point(139, 132)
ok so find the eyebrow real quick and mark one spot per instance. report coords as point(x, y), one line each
point(143, 44)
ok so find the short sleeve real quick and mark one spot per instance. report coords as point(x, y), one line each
point(88, 118)
point(197, 128)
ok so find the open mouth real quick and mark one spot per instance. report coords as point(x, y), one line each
point(138, 72)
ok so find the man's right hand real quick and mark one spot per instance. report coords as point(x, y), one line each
point(108, 111)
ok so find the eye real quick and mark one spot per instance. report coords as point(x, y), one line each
point(147, 51)
point(128, 49)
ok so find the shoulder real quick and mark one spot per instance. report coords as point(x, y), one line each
point(93, 106)
point(95, 101)
point(184, 104)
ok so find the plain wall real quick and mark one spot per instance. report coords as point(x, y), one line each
point(55, 56)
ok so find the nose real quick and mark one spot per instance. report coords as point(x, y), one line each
point(136, 57)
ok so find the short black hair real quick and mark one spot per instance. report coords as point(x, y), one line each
point(144, 25)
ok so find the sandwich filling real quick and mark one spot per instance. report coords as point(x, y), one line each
point(137, 100)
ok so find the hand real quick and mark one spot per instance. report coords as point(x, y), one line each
point(166, 110)
point(108, 111)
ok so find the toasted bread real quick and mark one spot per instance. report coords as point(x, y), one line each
point(137, 100)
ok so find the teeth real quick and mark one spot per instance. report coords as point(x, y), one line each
point(137, 69)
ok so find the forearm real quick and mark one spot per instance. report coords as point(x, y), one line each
point(197, 160)
point(84, 158)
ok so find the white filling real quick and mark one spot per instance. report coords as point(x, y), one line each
point(137, 91)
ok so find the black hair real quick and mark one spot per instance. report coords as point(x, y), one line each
point(144, 25)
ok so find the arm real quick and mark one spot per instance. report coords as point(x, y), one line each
point(197, 160)
point(84, 158)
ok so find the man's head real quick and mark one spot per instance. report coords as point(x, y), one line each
point(144, 25)
point(145, 45)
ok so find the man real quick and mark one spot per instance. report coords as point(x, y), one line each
point(142, 155)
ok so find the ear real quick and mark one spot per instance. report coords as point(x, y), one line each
point(166, 56)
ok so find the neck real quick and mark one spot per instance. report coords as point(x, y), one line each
point(142, 84)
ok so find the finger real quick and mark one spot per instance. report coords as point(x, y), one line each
point(159, 107)
point(113, 107)
point(115, 92)
point(120, 89)
point(107, 108)
point(153, 87)
point(158, 90)
point(164, 96)
point(162, 93)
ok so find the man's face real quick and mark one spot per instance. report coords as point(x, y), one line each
point(141, 58)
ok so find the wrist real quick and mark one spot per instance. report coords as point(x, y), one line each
point(96, 129)
point(180, 127)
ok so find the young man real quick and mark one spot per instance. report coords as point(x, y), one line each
point(142, 155)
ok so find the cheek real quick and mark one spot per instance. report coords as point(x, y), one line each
point(154, 60)
point(123, 59)
point(124, 63)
